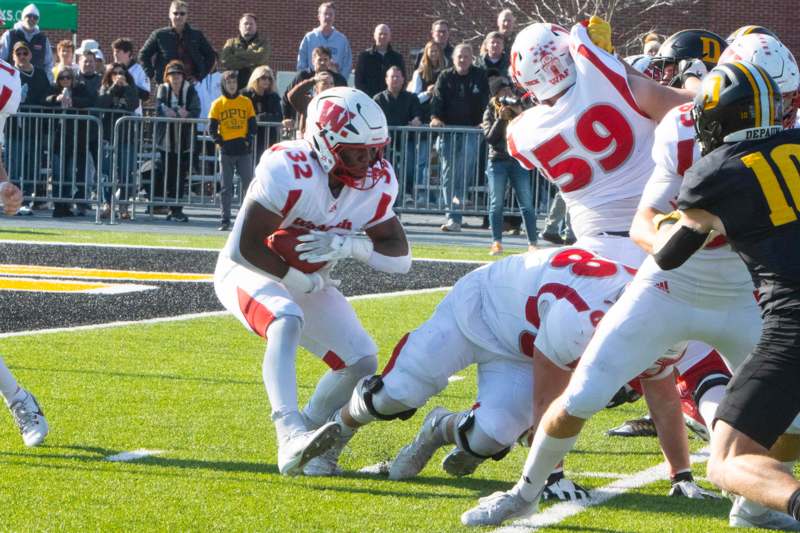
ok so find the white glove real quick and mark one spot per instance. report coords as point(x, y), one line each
point(297, 281)
point(321, 246)
point(692, 68)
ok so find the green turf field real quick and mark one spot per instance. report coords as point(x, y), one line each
point(148, 238)
point(193, 390)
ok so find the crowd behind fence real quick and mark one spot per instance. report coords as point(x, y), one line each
point(92, 157)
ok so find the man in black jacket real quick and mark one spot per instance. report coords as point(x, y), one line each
point(402, 108)
point(177, 41)
point(376, 60)
point(459, 98)
point(321, 61)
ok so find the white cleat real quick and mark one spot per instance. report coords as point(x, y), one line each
point(299, 449)
point(30, 420)
point(769, 519)
point(495, 509)
point(327, 464)
point(460, 463)
point(413, 457)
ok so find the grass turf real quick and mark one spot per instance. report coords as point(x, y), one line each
point(183, 240)
point(193, 390)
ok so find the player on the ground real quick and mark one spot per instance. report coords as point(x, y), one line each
point(23, 406)
point(591, 133)
point(747, 186)
point(524, 321)
point(335, 182)
point(719, 312)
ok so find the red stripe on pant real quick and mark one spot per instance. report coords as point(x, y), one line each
point(333, 361)
point(397, 349)
point(258, 317)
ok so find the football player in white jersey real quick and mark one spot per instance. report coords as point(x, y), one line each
point(525, 322)
point(710, 299)
point(336, 183)
point(23, 406)
point(591, 133)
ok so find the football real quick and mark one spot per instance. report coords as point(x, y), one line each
point(283, 241)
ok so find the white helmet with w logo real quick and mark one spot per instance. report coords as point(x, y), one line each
point(540, 60)
point(343, 117)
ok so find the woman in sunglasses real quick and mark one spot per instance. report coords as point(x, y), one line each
point(262, 91)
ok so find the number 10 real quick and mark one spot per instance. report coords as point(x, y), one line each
point(780, 212)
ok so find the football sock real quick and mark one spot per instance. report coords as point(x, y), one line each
point(709, 402)
point(794, 505)
point(346, 430)
point(8, 385)
point(278, 368)
point(546, 452)
point(335, 388)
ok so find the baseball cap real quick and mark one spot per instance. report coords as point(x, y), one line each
point(91, 46)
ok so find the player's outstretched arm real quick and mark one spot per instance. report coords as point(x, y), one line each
point(681, 234)
point(654, 99)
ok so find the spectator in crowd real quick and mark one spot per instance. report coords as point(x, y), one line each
point(459, 98)
point(402, 108)
point(245, 52)
point(301, 94)
point(329, 37)
point(320, 62)
point(176, 98)
point(650, 44)
point(208, 90)
point(440, 34)
point(65, 51)
point(557, 229)
point(233, 127)
point(376, 60)
point(70, 144)
point(87, 72)
point(27, 30)
point(261, 90)
point(506, 25)
point(502, 168)
point(119, 96)
point(25, 150)
point(177, 41)
point(122, 50)
point(493, 56)
point(423, 81)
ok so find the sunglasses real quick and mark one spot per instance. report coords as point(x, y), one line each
point(179, 13)
point(22, 53)
point(265, 78)
point(65, 78)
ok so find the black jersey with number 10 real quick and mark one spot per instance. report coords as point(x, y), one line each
point(754, 188)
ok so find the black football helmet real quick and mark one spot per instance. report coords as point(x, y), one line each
point(746, 30)
point(685, 46)
point(738, 101)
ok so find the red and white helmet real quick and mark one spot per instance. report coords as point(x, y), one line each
point(770, 54)
point(540, 60)
point(343, 117)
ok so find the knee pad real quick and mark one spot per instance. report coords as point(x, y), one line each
point(471, 438)
point(370, 402)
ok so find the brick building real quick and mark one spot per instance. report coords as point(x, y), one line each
point(285, 23)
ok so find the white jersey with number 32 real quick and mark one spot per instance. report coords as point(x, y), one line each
point(550, 299)
point(290, 182)
point(594, 143)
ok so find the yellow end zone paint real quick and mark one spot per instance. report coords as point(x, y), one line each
point(96, 273)
point(69, 286)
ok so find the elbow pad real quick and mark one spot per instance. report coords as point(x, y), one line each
point(392, 265)
point(680, 246)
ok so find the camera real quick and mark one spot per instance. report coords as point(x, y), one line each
point(509, 100)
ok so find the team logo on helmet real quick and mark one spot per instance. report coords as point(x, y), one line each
point(334, 117)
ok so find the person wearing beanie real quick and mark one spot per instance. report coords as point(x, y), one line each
point(233, 127)
point(27, 31)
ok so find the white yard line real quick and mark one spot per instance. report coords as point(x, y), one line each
point(561, 511)
point(192, 316)
point(132, 456)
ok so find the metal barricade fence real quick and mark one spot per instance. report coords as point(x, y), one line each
point(172, 163)
point(54, 155)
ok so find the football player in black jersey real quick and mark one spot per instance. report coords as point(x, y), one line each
point(747, 186)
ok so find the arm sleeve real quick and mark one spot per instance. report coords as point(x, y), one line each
point(213, 130)
point(269, 190)
point(437, 103)
point(146, 55)
point(347, 58)
point(360, 75)
point(492, 126)
point(386, 194)
point(48, 60)
point(661, 191)
point(193, 103)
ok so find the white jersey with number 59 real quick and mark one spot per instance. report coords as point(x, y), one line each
point(594, 143)
point(550, 299)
